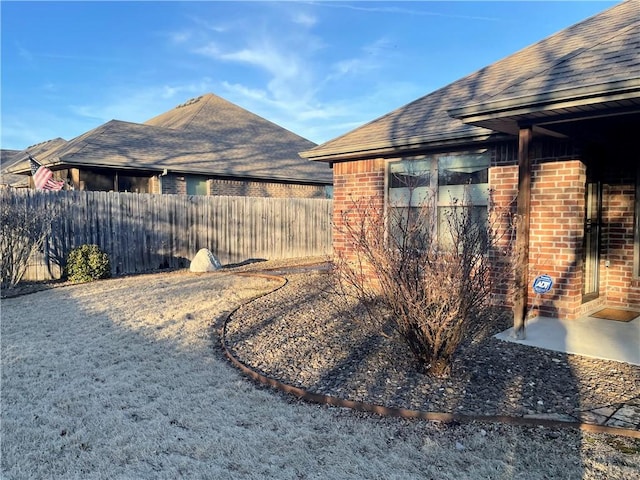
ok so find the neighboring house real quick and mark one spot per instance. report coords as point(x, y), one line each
point(207, 146)
point(14, 161)
point(10, 180)
point(553, 126)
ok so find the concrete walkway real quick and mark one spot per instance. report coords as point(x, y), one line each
point(587, 336)
point(595, 338)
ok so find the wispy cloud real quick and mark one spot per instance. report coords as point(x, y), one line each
point(300, 76)
point(270, 52)
point(268, 57)
point(180, 37)
point(372, 57)
point(403, 11)
point(24, 53)
point(290, 80)
point(304, 19)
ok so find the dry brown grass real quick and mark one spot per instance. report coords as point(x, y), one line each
point(123, 379)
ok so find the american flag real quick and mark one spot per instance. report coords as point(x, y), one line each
point(43, 177)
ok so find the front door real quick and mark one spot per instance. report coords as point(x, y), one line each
point(591, 250)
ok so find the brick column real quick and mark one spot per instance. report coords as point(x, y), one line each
point(503, 185)
point(557, 231)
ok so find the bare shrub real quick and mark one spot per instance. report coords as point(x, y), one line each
point(23, 230)
point(430, 275)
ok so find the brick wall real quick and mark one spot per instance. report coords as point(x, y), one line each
point(355, 182)
point(173, 183)
point(177, 184)
point(558, 190)
point(265, 189)
point(154, 184)
point(617, 282)
point(503, 185)
point(557, 209)
point(556, 231)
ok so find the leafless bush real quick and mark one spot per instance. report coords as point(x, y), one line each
point(23, 230)
point(428, 274)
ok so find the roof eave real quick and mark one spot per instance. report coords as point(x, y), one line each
point(157, 169)
point(479, 114)
point(400, 146)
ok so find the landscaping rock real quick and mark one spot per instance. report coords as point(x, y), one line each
point(204, 261)
point(301, 336)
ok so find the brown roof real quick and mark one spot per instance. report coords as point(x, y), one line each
point(207, 135)
point(595, 52)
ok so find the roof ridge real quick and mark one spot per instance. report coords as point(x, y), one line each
point(100, 128)
point(199, 109)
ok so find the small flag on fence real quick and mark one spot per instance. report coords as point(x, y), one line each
point(43, 177)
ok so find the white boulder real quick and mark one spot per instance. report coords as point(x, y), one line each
point(204, 261)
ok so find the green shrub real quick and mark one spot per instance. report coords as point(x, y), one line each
point(87, 263)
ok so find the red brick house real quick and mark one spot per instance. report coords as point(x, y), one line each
point(552, 127)
point(205, 146)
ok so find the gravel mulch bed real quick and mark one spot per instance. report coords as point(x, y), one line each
point(300, 336)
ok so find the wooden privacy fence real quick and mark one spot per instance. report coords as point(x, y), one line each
point(147, 232)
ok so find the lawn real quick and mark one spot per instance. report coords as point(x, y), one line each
point(125, 379)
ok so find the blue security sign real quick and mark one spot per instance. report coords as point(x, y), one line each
point(542, 284)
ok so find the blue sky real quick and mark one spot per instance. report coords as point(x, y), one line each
point(319, 69)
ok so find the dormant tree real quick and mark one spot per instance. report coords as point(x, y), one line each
point(429, 272)
point(23, 231)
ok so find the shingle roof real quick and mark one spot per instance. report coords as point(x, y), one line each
point(581, 55)
point(7, 159)
point(207, 135)
point(18, 160)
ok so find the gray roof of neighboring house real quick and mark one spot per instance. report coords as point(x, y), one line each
point(7, 157)
point(14, 161)
point(207, 135)
point(7, 160)
point(597, 56)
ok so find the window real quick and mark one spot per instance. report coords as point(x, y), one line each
point(411, 185)
point(97, 180)
point(463, 189)
point(328, 191)
point(197, 185)
point(107, 180)
point(448, 185)
point(133, 183)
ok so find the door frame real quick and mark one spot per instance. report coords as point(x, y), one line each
point(591, 241)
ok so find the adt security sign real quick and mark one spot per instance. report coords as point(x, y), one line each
point(542, 284)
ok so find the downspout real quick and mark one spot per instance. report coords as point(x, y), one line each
point(522, 233)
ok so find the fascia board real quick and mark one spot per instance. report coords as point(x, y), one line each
point(566, 98)
point(379, 149)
